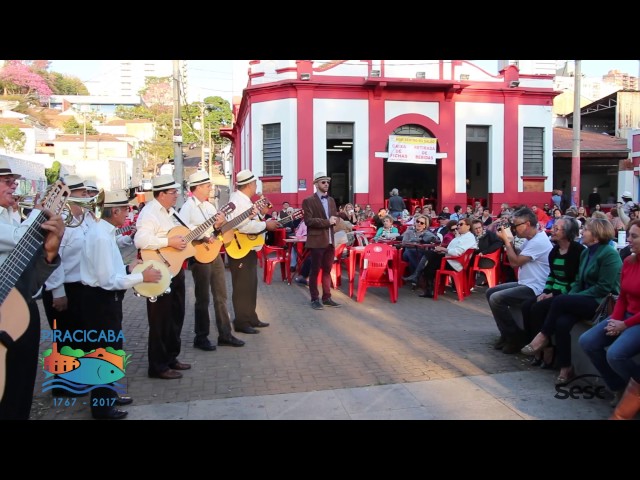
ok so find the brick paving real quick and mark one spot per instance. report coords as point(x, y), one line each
point(374, 342)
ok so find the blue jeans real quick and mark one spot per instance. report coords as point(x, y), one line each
point(412, 256)
point(616, 365)
point(501, 299)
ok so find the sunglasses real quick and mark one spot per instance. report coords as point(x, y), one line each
point(324, 181)
point(422, 223)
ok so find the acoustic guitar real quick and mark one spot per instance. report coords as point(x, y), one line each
point(241, 243)
point(14, 312)
point(123, 230)
point(174, 258)
point(208, 251)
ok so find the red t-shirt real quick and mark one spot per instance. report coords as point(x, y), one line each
point(629, 298)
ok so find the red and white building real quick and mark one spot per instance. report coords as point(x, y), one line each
point(494, 134)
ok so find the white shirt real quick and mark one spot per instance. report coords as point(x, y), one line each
point(11, 231)
point(101, 262)
point(70, 252)
point(249, 226)
point(534, 273)
point(153, 226)
point(194, 212)
point(458, 246)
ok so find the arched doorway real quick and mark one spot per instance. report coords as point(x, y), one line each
point(411, 179)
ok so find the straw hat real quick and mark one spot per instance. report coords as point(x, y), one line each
point(163, 182)
point(74, 182)
point(117, 198)
point(5, 169)
point(245, 177)
point(198, 178)
point(320, 176)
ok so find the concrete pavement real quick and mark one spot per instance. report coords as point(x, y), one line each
point(416, 359)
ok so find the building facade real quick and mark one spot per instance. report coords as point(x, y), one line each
point(493, 134)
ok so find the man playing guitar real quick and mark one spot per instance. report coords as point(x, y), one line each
point(244, 275)
point(21, 365)
point(207, 276)
point(166, 313)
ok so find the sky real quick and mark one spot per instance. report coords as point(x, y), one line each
point(227, 78)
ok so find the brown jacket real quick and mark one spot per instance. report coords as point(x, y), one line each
point(319, 231)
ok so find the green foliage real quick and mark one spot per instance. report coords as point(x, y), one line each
point(52, 174)
point(72, 126)
point(12, 139)
point(65, 85)
point(217, 114)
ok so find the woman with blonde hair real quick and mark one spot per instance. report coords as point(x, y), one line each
point(598, 275)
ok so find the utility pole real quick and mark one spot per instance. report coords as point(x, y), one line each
point(178, 171)
point(575, 153)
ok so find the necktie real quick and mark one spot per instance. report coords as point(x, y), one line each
point(324, 196)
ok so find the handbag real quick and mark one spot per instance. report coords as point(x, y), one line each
point(605, 309)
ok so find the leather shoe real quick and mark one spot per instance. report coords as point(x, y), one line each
point(123, 400)
point(180, 366)
point(330, 303)
point(260, 324)
point(205, 345)
point(230, 341)
point(113, 414)
point(167, 374)
point(246, 330)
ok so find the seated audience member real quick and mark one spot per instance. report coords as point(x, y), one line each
point(598, 275)
point(612, 343)
point(456, 247)
point(457, 213)
point(350, 214)
point(488, 242)
point(448, 233)
point(582, 215)
point(557, 213)
point(419, 233)
point(445, 213)
point(486, 217)
point(533, 268)
point(378, 220)
point(387, 231)
point(614, 218)
point(542, 216)
point(367, 213)
point(564, 260)
point(597, 208)
point(470, 213)
point(429, 212)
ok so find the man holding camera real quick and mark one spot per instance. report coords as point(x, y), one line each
point(533, 264)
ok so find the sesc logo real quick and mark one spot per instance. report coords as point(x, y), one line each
point(573, 389)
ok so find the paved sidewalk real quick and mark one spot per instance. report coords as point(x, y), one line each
point(415, 359)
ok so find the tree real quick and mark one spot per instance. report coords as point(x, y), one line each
point(217, 114)
point(52, 174)
point(12, 139)
point(17, 77)
point(72, 126)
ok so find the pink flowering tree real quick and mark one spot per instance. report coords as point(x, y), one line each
point(18, 77)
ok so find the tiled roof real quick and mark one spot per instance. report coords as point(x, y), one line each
point(590, 142)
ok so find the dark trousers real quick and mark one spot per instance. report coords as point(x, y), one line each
point(433, 264)
point(102, 311)
point(210, 277)
point(69, 319)
point(321, 259)
point(565, 312)
point(166, 317)
point(533, 314)
point(21, 367)
point(244, 281)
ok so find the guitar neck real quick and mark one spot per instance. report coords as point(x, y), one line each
point(122, 230)
point(18, 260)
point(231, 224)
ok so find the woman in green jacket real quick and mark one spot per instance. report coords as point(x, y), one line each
point(598, 275)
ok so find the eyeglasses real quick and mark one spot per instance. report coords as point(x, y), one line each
point(8, 181)
point(516, 225)
point(454, 228)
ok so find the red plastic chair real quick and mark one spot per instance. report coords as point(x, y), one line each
point(444, 275)
point(272, 256)
point(378, 270)
point(492, 274)
point(279, 234)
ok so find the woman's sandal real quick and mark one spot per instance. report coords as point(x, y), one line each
point(562, 379)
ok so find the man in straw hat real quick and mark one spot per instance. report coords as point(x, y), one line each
point(106, 280)
point(320, 216)
point(166, 314)
point(207, 276)
point(244, 275)
point(22, 351)
point(62, 296)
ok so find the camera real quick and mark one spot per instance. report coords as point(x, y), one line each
point(501, 226)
